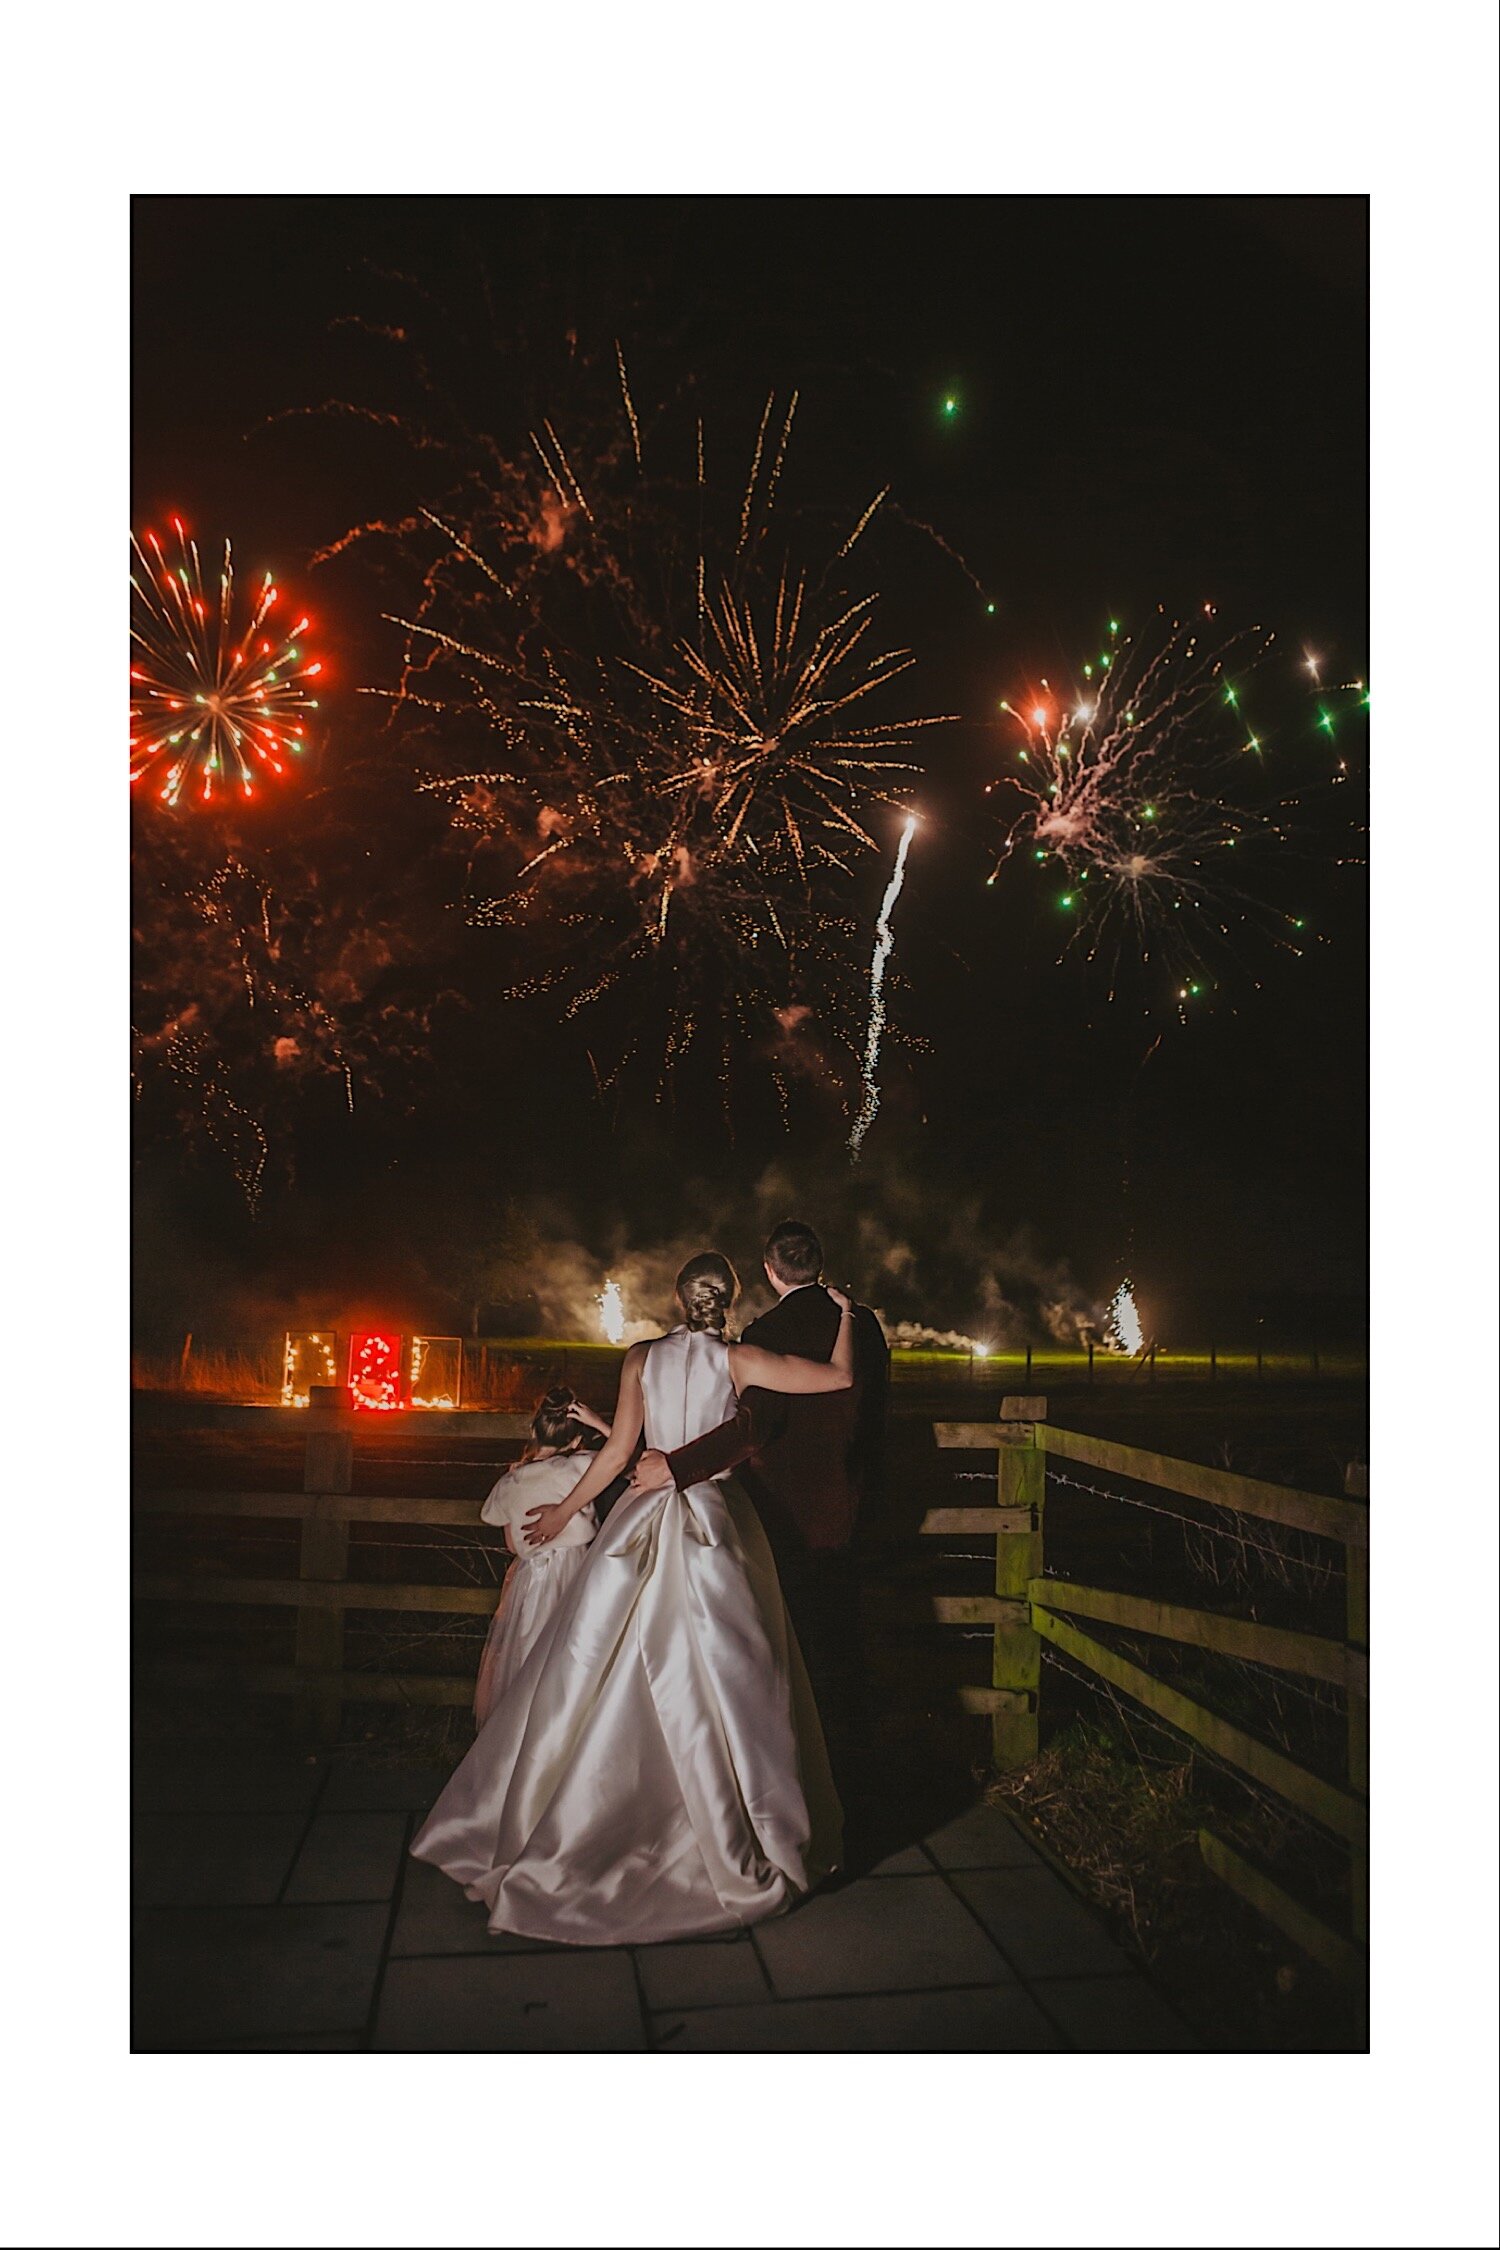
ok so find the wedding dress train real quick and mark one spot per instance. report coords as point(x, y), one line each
point(656, 1769)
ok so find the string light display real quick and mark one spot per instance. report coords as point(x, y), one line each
point(306, 1359)
point(375, 1371)
point(435, 1371)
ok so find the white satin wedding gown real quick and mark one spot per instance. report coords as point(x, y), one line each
point(656, 1770)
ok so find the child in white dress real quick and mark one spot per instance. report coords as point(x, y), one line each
point(557, 1456)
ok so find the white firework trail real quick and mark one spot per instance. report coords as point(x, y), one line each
point(885, 938)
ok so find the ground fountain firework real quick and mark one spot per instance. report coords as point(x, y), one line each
point(1122, 1323)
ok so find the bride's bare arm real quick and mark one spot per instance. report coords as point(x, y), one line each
point(545, 1523)
point(784, 1371)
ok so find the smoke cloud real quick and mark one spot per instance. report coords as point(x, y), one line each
point(934, 1264)
point(927, 1261)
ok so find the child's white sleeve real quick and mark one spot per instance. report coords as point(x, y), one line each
point(500, 1504)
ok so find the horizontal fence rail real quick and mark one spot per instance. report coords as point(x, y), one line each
point(322, 1594)
point(1023, 1441)
point(1025, 1609)
point(335, 1507)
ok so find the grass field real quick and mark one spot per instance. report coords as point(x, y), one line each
point(509, 1372)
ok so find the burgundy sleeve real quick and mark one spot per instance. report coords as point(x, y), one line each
point(757, 1420)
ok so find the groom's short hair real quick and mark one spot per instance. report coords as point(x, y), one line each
point(794, 1253)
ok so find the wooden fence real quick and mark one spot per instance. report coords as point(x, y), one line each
point(1028, 1609)
point(322, 1593)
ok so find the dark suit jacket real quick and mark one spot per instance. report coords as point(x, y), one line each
point(809, 1459)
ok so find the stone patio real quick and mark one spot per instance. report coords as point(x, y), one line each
point(277, 1911)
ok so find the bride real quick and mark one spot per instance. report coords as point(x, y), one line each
point(656, 1770)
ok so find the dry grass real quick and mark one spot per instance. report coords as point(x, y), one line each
point(503, 1382)
point(1125, 1820)
point(249, 1378)
point(1129, 1828)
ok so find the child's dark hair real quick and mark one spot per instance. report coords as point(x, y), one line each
point(553, 1423)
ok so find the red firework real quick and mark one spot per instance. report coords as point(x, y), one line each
point(217, 705)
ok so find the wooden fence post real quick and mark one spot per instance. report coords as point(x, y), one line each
point(327, 1470)
point(1017, 1669)
point(1357, 1632)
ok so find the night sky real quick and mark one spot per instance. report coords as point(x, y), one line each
point(1158, 400)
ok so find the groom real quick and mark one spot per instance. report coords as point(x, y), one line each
point(808, 1462)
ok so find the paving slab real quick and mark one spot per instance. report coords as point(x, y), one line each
point(211, 1859)
point(207, 1974)
point(435, 1917)
point(983, 1836)
point(561, 2002)
point(1119, 2015)
point(394, 1789)
point(705, 1974)
point(223, 1781)
point(1002, 2020)
point(912, 1861)
point(348, 1855)
point(1043, 1928)
point(334, 2043)
point(886, 1933)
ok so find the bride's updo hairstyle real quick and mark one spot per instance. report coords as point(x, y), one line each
point(706, 1289)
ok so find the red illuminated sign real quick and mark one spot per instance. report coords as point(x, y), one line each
point(375, 1371)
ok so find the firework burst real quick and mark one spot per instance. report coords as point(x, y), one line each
point(675, 814)
point(1143, 789)
point(218, 700)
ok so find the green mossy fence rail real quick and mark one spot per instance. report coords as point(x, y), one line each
point(1029, 1609)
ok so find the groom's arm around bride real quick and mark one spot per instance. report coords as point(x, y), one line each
point(809, 1464)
